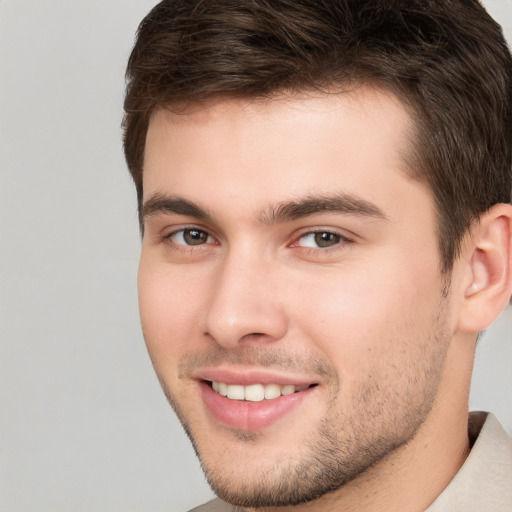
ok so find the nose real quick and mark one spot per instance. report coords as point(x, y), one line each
point(245, 306)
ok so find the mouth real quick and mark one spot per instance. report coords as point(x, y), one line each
point(256, 392)
point(243, 404)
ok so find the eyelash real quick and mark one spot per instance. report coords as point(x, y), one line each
point(322, 252)
point(341, 241)
point(184, 246)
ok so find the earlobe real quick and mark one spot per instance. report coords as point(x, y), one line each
point(489, 287)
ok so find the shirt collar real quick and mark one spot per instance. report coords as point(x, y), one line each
point(484, 482)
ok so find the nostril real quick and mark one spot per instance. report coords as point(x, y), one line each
point(253, 335)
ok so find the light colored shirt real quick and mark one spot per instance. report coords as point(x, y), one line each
point(483, 483)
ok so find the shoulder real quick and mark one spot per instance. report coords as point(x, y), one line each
point(484, 481)
point(215, 505)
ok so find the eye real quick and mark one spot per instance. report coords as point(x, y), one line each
point(190, 236)
point(320, 239)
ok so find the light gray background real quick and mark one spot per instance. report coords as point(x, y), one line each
point(83, 423)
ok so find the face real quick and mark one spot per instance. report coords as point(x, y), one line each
point(290, 289)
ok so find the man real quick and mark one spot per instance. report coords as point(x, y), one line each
point(324, 195)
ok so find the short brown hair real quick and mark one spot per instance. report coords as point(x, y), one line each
point(447, 60)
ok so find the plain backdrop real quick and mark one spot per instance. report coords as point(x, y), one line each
point(83, 423)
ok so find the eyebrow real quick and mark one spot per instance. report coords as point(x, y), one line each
point(314, 204)
point(282, 212)
point(170, 204)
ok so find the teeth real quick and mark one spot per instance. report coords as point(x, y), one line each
point(223, 389)
point(288, 389)
point(235, 392)
point(272, 391)
point(255, 392)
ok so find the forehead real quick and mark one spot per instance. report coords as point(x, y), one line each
point(271, 150)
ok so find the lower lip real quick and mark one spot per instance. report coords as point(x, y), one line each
point(250, 416)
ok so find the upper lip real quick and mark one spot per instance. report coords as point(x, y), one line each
point(247, 377)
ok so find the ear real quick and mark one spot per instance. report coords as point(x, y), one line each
point(488, 274)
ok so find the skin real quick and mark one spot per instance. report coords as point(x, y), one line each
point(369, 318)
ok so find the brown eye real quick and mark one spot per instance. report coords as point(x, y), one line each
point(326, 239)
point(191, 237)
point(320, 239)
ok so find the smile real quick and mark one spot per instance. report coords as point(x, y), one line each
point(255, 392)
point(253, 406)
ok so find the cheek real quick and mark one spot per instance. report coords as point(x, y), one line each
point(381, 308)
point(169, 310)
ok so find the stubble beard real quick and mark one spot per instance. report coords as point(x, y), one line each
point(345, 444)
